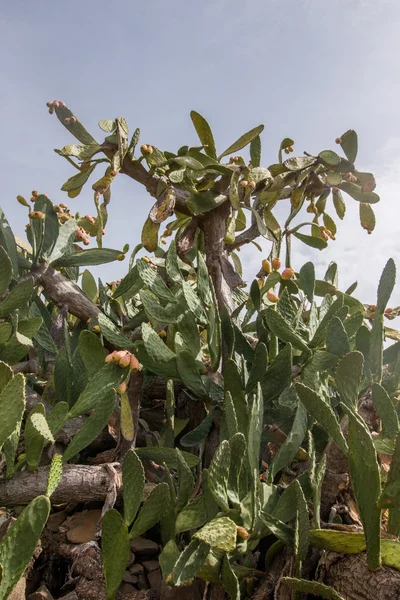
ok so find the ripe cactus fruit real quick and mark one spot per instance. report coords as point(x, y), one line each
point(110, 357)
point(244, 183)
point(134, 363)
point(35, 193)
point(125, 360)
point(266, 265)
point(36, 215)
point(272, 297)
point(287, 274)
point(252, 185)
point(121, 389)
point(242, 533)
point(260, 282)
point(338, 140)
point(276, 264)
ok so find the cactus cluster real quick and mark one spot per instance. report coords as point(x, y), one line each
point(273, 370)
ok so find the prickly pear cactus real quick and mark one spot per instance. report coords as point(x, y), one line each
point(229, 397)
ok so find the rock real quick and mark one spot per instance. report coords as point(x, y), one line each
point(82, 526)
point(41, 594)
point(131, 559)
point(129, 578)
point(155, 579)
point(142, 582)
point(141, 545)
point(70, 596)
point(151, 565)
point(131, 594)
point(55, 520)
point(190, 592)
point(136, 569)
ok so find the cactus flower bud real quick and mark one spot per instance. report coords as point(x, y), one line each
point(121, 257)
point(49, 104)
point(266, 265)
point(287, 151)
point(163, 241)
point(252, 185)
point(272, 297)
point(150, 149)
point(113, 173)
point(143, 148)
point(244, 183)
point(287, 274)
point(388, 311)
point(51, 110)
point(63, 205)
point(36, 215)
point(276, 264)
point(338, 140)
point(35, 193)
point(134, 363)
point(96, 329)
point(56, 104)
point(22, 200)
point(162, 333)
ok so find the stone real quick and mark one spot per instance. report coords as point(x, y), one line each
point(141, 545)
point(129, 578)
point(136, 569)
point(82, 526)
point(155, 579)
point(151, 565)
point(131, 559)
point(142, 582)
point(41, 594)
point(55, 520)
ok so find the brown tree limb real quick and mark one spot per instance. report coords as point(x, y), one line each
point(65, 292)
point(27, 366)
point(79, 483)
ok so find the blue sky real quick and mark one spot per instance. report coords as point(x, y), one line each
point(308, 69)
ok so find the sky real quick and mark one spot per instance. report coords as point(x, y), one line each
point(306, 69)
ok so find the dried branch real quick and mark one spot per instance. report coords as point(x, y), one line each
point(64, 292)
point(79, 483)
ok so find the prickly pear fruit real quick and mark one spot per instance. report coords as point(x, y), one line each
point(287, 274)
point(266, 265)
point(276, 264)
point(272, 297)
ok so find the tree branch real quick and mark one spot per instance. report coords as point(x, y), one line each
point(65, 292)
point(79, 483)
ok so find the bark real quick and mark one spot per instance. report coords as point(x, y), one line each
point(65, 292)
point(214, 227)
point(79, 483)
point(350, 576)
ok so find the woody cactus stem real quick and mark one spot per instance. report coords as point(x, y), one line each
point(64, 292)
point(214, 227)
